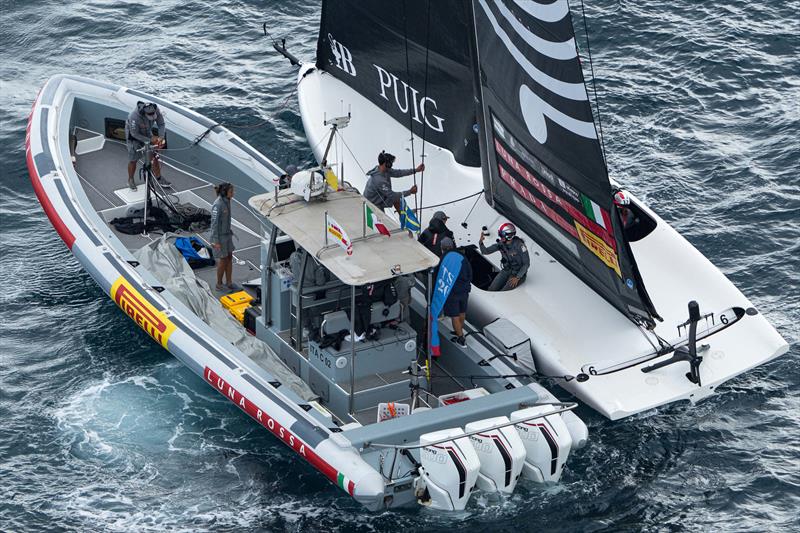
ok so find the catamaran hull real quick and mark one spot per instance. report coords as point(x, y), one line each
point(572, 329)
point(137, 293)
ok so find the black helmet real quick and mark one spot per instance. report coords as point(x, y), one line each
point(149, 109)
point(385, 158)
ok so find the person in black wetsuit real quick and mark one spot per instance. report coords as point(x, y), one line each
point(437, 230)
point(380, 291)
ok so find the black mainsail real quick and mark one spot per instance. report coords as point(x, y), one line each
point(546, 167)
point(436, 65)
point(412, 59)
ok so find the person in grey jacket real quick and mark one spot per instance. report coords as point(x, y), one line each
point(379, 185)
point(138, 132)
point(222, 234)
point(515, 258)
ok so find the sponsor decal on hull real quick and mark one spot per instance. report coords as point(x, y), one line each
point(246, 405)
point(154, 322)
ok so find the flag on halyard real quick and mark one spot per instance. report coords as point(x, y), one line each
point(374, 222)
point(338, 233)
point(331, 179)
point(408, 220)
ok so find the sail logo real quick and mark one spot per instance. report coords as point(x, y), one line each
point(155, 323)
point(596, 245)
point(535, 109)
point(344, 59)
point(408, 100)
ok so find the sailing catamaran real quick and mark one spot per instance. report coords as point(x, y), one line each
point(491, 95)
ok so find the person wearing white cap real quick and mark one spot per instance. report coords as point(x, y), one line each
point(437, 230)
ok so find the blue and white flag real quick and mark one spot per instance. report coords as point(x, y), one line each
point(408, 220)
point(449, 269)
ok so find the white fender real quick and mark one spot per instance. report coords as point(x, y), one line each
point(547, 442)
point(501, 452)
point(449, 470)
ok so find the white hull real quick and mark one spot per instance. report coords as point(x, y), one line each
point(570, 326)
point(347, 454)
point(160, 314)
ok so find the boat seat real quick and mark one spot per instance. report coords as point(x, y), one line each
point(378, 316)
point(335, 321)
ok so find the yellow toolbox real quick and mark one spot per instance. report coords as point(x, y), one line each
point(238, 312)
point(236, 299)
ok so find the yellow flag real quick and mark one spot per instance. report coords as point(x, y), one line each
point(331, 179)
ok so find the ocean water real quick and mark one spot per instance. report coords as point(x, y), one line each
point(102, 430)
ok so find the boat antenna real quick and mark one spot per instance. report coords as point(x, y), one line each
point(410, 116)
point(594, 85)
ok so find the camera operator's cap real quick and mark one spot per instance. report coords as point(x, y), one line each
point(440, 215)
point(150, 110)
point(448, 244)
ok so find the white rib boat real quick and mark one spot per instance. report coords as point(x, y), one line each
point(380, 419)
point(491, 96)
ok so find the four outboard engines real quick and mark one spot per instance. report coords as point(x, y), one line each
point(494, 458)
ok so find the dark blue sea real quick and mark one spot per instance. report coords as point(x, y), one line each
point(102, 430)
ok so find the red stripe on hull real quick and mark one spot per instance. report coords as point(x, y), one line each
point(61, 228)
point(246, 405)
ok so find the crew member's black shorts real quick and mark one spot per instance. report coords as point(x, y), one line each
point(455, 304)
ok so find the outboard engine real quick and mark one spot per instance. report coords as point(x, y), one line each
point(547, 442)
point(448, 472)
point(501, 453)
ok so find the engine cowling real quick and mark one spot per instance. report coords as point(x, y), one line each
point(501, 453)
point(547, 443)
point(449, 470)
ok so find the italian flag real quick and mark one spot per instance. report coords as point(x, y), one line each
point(596, 213)
point(374, 222)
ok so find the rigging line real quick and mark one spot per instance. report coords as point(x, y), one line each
point(424, 96)
point(351, 153)
point(455, 201)
point(647, 337)
point(410, 119)
point(594, 85)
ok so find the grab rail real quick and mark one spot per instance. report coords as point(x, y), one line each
point(562, 407)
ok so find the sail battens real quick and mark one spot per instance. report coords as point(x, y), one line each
point(572, 91)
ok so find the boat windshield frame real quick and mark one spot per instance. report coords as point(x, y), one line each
point(373, 256)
